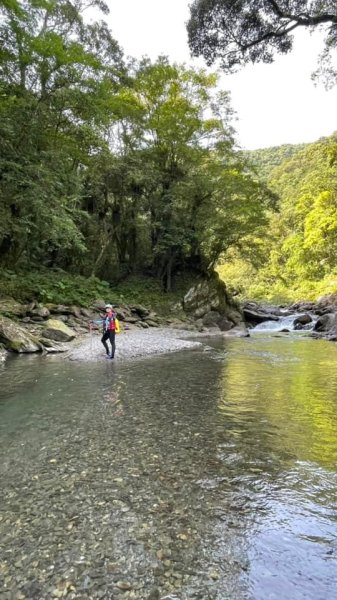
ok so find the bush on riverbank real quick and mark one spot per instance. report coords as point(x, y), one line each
point(59, 287)
point(54, 286)
point(149, 291)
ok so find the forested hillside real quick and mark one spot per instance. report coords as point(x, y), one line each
point(266, 159)
point(110, 168)
point(295, 255)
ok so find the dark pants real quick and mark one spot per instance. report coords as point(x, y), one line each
point(109, 335)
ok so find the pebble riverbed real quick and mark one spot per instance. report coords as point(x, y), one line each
point(204, 474)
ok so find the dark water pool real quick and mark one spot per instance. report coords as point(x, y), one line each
point(208, 474)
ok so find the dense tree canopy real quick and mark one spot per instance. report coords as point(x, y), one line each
point(57, 78)
point(177, 195)
point(111, 169)
point(242, 31)
point(108, 169)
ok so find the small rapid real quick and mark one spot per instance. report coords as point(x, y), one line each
point(283, 324)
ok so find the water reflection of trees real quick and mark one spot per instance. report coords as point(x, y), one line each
point(278, 403)
point(285, 394)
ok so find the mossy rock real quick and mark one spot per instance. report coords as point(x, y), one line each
point(211, 295)
point(10, 308)
point(16, 339)
point(58, 331)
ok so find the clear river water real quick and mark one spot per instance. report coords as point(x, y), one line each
point(209, 473)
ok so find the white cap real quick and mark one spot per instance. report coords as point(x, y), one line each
point(108, 306)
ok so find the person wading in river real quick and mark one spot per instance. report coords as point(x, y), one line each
point(109, 331)
point(110, 328)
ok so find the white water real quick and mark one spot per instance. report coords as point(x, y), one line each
point(282, 323)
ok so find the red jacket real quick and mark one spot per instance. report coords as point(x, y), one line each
point(109, 322)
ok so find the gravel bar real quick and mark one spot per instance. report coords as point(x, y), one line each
point(133, 343)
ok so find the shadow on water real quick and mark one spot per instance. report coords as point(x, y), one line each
point(205, 474)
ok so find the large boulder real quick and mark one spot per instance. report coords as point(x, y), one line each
point(258, 312)
point(76, 312)
point(301, 321)
point(59, 309)
point(211, 319)
point(326, 326)
point(99, 306)
point(140, 310)
point(88, 314)
point(327, 323)
point(131, 319)
point(200, 299)
point(256, 316)
point(62, 309)
point(225, 324)
point(303, 306)
point(57, 330)
point(123, 313)
point(234, 316)
point(330, 300)
point(202, 310)
point(150, 323)
point(17, 339)
point(210, 295)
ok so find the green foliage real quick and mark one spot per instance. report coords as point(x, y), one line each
point(149, 292)
point(239, 32)
point(52, 287)
point(320, 231)
point(239, 275)
point(58, 287)
point(112, 171)
point(55, 87)
point(117, 172)
point(265, 160)
point(177, 176)
point(298, 249)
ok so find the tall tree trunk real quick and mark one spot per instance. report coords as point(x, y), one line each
point(169, 273)
point(99, 258)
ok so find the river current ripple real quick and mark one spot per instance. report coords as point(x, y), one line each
point(210, 473)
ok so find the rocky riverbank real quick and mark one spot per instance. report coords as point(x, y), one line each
point(52, 328)
point(319, 318)
point(206, 309)
point(57, 328)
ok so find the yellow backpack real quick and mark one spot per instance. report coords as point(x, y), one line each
point(117, 326)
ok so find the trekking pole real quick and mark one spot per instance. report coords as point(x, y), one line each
point(90, 329)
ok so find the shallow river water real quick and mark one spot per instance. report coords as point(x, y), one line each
point(209, 473)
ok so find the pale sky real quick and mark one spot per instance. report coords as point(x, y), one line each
point(275, 104)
